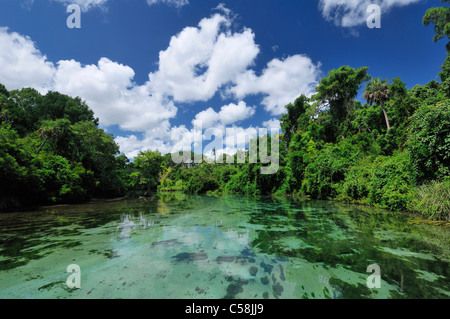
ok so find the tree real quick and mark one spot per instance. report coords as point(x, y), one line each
point(51, 129)
point(149, 167)
point(429, 142)
point(291, 120)
point(57, 106)
point(97, 151)
point(4, 95)
point(377, 92)
point(61, 180)
point(440, 17)
point(336, 93)
point(25, 110)
point(3, 90)
point(19, 180)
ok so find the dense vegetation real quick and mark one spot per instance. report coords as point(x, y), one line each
point(391, 150)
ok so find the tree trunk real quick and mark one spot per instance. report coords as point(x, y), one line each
point(42, 145)
point(386, 117)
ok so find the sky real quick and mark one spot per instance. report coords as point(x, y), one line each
point(169, 74)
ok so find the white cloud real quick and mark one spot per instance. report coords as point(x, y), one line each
point(221, 7)
point(200, 60)
point(206, 119)
point(272, 124)
point(22, 64)
point(239, 136)
point(282, 81)
point(351, 13)
point(228, 114)
point(175, 3)
point(109, 90)
point(231, 113)
point(157, 138)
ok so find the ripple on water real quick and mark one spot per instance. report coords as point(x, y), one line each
point(207, 247)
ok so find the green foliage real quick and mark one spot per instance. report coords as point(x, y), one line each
point(19, 181)
point(27, 108)
point(390, 182)
point(146, 178)
point(200, 179)
point(295, 118)
point(388, 143)
point(60, 180)
point(326, 170)
point(245, 181)
point(301, 149)
point(429, 142)
point(97, 151)
point(52, 151)
point(432, 200)
point(440, 17)
point(336, 93)
point(357, 186)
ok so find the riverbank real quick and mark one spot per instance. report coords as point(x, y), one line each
point(429, 202)
point(26, 208)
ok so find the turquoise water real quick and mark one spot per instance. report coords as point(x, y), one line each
point(201, 247)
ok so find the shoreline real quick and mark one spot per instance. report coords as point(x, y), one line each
point(420, 217)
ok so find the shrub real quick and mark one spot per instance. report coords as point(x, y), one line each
point(390, 182)
point(357, 181)
point(429, 142)
point(326, 171)
point(432, 200)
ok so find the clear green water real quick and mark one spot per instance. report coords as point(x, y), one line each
point(199, 247)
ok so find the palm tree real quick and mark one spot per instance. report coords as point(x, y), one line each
point(377, 92)
point(49, 130)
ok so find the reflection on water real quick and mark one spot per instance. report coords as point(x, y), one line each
point(179, 246)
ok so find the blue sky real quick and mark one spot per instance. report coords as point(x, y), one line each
point(152, 68)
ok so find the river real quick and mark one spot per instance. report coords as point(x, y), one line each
point(202, 247)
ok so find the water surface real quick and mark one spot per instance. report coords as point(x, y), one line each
point(200, 247)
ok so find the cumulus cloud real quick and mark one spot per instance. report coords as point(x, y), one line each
point(272, 124)
point(351, 13)
point(199, 60)
point(156, 138)
point(109, 89)
point(228, 114)
point(282, 81)
point(22, 64)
